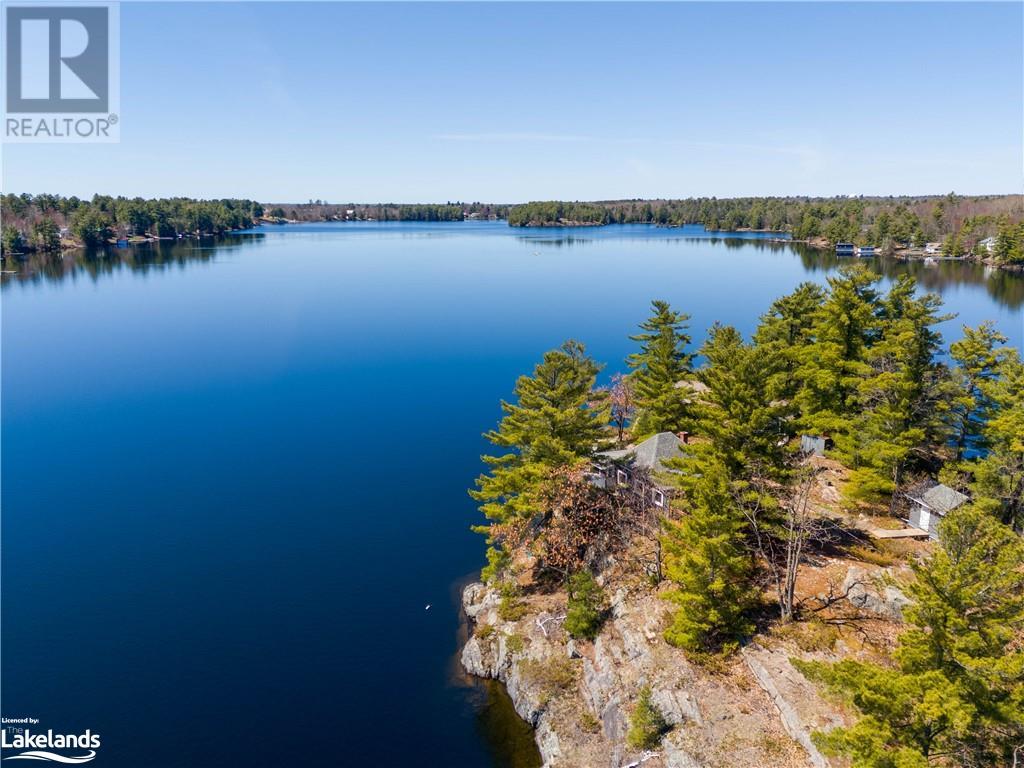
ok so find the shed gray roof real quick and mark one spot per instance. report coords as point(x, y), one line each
point(937, 497)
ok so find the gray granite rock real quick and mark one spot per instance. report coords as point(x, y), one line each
point(874, 594)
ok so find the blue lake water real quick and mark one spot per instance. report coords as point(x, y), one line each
point(234, 473)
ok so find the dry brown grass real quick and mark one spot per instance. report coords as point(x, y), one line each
point(552, 675)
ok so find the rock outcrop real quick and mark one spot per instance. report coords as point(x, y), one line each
point(800, 707)
point(875, 593)
point(579, 695)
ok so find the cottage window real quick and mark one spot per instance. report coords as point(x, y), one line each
point(621, 477)
point(658, 497)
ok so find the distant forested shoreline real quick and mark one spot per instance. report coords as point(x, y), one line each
point(962, 225)
point(47, 222)
point(987, 227)
point(33, 223)
point(320, 210)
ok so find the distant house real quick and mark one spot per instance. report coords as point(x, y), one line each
point(930, 501)
point(815, 445)
point(845, 249)
point(933, 247)
point(866, 251)
point(989, 244)
point(640, 469)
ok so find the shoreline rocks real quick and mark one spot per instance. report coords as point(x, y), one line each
point(578, 695)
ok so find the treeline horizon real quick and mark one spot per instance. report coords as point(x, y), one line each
point(960, 223)
point(320, 210)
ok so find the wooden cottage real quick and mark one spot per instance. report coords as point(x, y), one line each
point(930, 501)
point(641, 469)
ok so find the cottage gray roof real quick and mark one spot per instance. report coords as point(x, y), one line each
point(651, 453)
point(654, 451)
point(937, 497)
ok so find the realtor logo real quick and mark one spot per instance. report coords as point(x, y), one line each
point(61, 72)
point(57, 59)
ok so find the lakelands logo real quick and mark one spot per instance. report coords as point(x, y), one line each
point(74, 748)
point(62, 76)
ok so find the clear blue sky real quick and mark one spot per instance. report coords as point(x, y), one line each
point(510, 102)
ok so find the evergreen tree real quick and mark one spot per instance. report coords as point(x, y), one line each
point(902, 397)
point(998, 476)
point(646, 723)
point(11, 240)
point(658, 367)
point(746, 427)
point(844, 328)
point(956, 690)
point(585, 610)
point(953, 245)
point(1009, 248)
point(91, 226)
point(551, 425)
point(785, 329)
point(707, 561)
point(46, 235)
point(979, 356)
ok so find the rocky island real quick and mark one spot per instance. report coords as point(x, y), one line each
point(801, 553)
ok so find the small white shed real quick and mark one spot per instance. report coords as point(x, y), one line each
point(931, 501)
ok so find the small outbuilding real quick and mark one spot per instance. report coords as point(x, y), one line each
point(815, 445)
point(930, 501)
point(845, 249)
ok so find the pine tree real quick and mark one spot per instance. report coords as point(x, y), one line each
point(646, 723)
point(998, 476)
point(45, 235)
point(956, 691)
point(979, 356)
point(784, 330)
point(551, 425)
point(585, 610)
point(707, 561)
point(737, 413)
point(658, 367)
point(903, 396)
point(845, 327)
point(11, 240)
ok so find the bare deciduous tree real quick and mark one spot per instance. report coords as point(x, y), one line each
point(622, 401)
point(780, 535)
